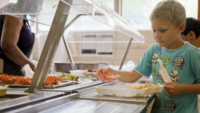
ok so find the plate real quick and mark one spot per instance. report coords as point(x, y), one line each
point(121, 90)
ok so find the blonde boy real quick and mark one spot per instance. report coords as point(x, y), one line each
point(181, 60)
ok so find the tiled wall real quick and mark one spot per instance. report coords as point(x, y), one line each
point(135, 52)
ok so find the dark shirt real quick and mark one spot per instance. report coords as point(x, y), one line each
point(25, 39)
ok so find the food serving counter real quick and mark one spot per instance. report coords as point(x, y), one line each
point(77, 97)
point(87, 101)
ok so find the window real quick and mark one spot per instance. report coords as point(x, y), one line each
point(12, 1)
point(137, 12)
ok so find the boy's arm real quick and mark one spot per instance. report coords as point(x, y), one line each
point(174, 89)
point(126, 76)
point(191, 89)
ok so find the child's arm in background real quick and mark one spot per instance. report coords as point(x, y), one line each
point(126, 76)
point(174, 89)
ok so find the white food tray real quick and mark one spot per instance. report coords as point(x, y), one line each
point(121, 91)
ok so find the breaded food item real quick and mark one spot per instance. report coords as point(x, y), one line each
point(143, 86)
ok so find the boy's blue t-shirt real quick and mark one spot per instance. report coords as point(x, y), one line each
point(183, 67)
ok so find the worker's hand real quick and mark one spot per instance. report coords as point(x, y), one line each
point(173, 88)
point(32, 66)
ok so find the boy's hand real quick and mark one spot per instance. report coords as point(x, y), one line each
point(105, 71)
point(173, 88)
point(102, 70)
point(110, 70)
point(100, 77)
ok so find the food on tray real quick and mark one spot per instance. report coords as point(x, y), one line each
point(53, 80)
point(19, 80)
point(90, 70)
point(142, 86)
point(10, 79)
point(106, 76)
point(72, 77)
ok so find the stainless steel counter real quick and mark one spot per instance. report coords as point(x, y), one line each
point(87, 101)
point(88, 106)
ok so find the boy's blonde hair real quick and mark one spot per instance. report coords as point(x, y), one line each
point(170, 11)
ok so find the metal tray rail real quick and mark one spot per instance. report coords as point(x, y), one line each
point(28, 99)
point(59, 85)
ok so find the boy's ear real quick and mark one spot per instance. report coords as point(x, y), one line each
point(182, 27)
point(192, 35)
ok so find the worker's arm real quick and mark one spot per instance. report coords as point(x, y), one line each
point(9, 39)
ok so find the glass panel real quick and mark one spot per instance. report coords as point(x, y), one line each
point(92, 8)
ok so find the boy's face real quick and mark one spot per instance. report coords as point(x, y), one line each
point(166, 34)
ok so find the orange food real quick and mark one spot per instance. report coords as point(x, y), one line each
point(53, 80)
point(106, 76)
point(10, 79)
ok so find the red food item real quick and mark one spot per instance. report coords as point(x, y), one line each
point(10, 79)
point(106, 76)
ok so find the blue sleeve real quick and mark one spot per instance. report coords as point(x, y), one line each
point(196, 69)
point(144, 66)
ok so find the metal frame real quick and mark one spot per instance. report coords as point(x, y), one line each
point(50, 47)
point(66, 44)
point(126, 52)
point(118, 6)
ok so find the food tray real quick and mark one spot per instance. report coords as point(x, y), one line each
point(121, 91)
point(60, 85)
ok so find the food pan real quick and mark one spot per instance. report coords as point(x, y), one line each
point(66, 66)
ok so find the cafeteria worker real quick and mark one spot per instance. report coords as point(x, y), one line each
point(16, 38)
